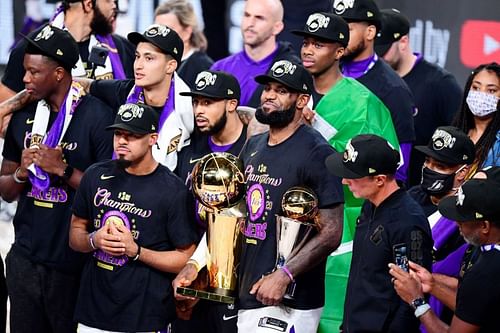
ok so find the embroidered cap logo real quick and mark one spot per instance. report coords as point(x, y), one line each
point(317, 21)
point(283, 67)
point(157, 30)
point(442, 139)
point(45, 34)
point(350, 154)
point(128, 112)
point(340, 6)
point(205, 79)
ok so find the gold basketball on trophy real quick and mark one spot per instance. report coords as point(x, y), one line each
point(300, 203)
point(218, 181)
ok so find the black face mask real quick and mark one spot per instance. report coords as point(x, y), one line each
point(435, 183)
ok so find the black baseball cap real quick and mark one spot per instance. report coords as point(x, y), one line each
point(215, 84)
point(476, 200)
point(365, 155)
point(136, 118)
point(166, 39)
point(54, 43)
point(394, 26)
point(450, 145)
point(326, 26)
point(358, 11)
point(492, 173)
point(290, 74)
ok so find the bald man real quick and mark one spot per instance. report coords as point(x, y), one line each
point(262, 21)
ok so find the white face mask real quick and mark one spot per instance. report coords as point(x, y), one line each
point(481, 104)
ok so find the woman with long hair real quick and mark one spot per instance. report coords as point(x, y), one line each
point(180, 16)
point(479, 116)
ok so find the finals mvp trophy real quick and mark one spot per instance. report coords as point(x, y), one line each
point(300, 207)
point(219, 184)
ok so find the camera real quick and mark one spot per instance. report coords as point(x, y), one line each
point(98, 55)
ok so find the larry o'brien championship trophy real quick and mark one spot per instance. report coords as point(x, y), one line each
point(300, 207)
point(219, 184)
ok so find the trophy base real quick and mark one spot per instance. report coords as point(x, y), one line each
point(202, 294)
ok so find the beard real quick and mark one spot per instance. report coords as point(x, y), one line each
point(473, 240)
point(351, 54)
point(100, 24)
point(276, 119)
point(122, 163)
point(217, 127)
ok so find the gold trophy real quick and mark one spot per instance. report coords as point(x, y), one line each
point(300, 207)
point(219, 185)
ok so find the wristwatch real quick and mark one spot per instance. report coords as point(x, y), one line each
point(420, 306)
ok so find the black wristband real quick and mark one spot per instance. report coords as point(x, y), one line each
point(136, 257)
point(68, 172)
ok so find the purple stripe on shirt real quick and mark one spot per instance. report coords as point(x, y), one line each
point(402, 172)
point(216, 148)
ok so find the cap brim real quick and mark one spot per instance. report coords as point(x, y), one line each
point(381, 49)
point(429, 152)
point(448, 208)
point(264, 79)
point(199, 93)
point(335, 165)
point(127, 128)
point(303, 33)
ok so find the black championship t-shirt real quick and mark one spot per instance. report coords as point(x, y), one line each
point(478, 297)
point(14, 71)
point(200, 146)
point(112, 92)
point(116, 293)
point(396, 96)
point(269, 172)
point(42, 219)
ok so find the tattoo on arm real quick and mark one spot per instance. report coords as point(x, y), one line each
point(15, 103)
point(322, 244)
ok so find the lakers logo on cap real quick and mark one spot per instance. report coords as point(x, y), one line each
point(205, 79)
point(45, 33)
point(350, 154)
point(157, 30)
point(283, 67)
point(442, 139)
point(129, 111)
point(340, 6)
point(317, 21)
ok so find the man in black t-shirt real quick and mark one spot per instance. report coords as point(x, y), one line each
point(362, 63)
point(477, 213)
point(49, 143)
point(158, 55)
point(132, 214)
point(448, 156)
point(290, 154)
point(218, 129)
point(436, 91)
point(390, 222)
point(90, 22)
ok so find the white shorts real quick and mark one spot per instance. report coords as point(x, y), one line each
point(86, 329)
point(278, 319)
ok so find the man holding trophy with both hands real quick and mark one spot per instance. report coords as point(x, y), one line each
point(294, 210)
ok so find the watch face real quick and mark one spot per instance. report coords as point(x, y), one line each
point(417, 302)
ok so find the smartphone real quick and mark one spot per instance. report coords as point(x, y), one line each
point(98, 55)
point(400, 257)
